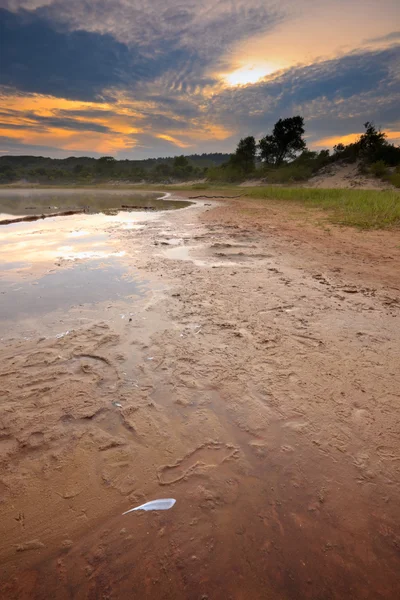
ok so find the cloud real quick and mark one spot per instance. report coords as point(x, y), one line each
point(11, 146)
point(335, 97)
point(38, 58)
point(206, 26)
point(350, 138)
point(393, 36)
point(145, 77)
point(340, 93)
point(76, 49)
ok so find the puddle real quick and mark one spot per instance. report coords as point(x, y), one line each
point(63, 262)
point(29, 249)
point(181, 253)
point(184, 253)
point(83, 283)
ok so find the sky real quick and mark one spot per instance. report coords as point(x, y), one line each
point(147, 78)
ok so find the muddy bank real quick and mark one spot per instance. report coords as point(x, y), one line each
point(256, 385)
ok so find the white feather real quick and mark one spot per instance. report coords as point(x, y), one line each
point(163, 504)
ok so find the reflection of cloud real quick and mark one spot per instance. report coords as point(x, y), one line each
point(57, 239)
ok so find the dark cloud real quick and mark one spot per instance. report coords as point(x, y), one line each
point(87, 114)
point(78, 65)
point(206, 26)
point(394, 36)
point(36, 58)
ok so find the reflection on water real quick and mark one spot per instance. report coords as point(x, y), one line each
point(83, 283)
point(29, 246)
point(70, 261)
point(26, 202)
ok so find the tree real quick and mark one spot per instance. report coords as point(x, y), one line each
point(162, 171)
point(371, 143)
point(106, 165)
point(338, 149)
point(371, 147)
point(284, 143)
point(245, 155)
point(182, 169)
point(137, 174)
point(181, 162)
point(7, 173)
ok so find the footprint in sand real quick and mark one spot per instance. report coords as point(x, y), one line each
point(206, 456)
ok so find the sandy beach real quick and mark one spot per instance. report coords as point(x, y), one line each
point(255, 379)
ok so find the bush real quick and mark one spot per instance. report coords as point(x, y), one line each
point(225, 174)
point(287, 174)
point(395, 178)
point(378, 168)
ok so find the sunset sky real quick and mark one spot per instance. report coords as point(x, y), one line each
point(146, 78)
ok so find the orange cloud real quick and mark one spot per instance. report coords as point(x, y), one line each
point(173, 140)
point(46, 106)
point(40, 120)
point(331, 141)
point(104, 143)
point(204, 132)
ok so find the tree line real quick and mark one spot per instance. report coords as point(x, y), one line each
point(282, 156)
point(91, 170)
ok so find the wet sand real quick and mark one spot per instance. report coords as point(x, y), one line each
point(256, 381)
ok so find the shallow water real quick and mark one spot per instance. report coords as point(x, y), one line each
point(30, 246)
point(86, 282)
point(37, 202)
point(68, 261)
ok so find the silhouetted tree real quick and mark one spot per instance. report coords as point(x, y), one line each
point(371, 147)
point(371, 143)
point(245, 155)
point(285, 142)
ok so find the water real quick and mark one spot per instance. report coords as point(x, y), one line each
point(87, 282)
point(26, 202)
point(64, 262)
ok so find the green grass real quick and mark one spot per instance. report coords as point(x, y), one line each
point(366, 209)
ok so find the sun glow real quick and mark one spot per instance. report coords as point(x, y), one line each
point(249, 74)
